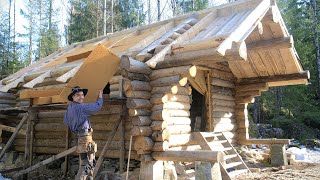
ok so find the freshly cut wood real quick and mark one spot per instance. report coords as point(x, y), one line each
point(178, 121)
point(139, 112)
point(179, 129)
point(138, 94)
point(245, 99)
point(223, 109)
point(141, 131)
point(171, 105)
point(158, 125)
point(170, 90)
point(138, 103)
point(249, 93)
point(143, 144)
point(222, 83)
point(160, 146)
point(223, 97)
point(37, 80)
point(136, 85)
point(176, 80)
point(164, 98)
point(161, 135)
point(134, 66)
point(220, 102)
point(26, 94)
point(159, 115)
point(140, 120)
point(116, 79)
point(184, 71)
point(189, 156)
point(251, 87)
point(135, 76)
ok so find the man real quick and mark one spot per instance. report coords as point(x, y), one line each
point(76, 118)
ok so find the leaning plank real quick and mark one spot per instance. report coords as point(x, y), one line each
point(12, 129)
point(13, 136)
point(47, 161)
point(69, 74)
point(37, 80)
point(192, 32)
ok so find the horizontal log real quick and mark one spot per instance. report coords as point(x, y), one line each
point(164, 98)
point(223, 109)
point(115, 79)
point(222, 127)
point(135, 76)
point(222, 83)
point(228, 76)
point(251, 87)
point(223, 115)
point(11, 129)
point(179, 129)
point(222, 91)
point(222, 97)
point(184, 71)
point(264, 141)
point(162, 135)
point(178, 121)
point(158, 125)
point(160, 146)
point(139, 112)
point(141, 131)
point(189, 156)
point(172, 106)
point(266, 45)
point(220, 102)
point(50, 150)
point(176, 80)
point(253, 93)
point(134, 66)
point(5, 95)
point(244, 99)
point(140, 120)
point(136, 85)
point(165, 114)
point(143, 144)
point(116, 94)
point(224, 120)
point(171, 90)
point(138, 94)
point(138, 103)
point(115, 87)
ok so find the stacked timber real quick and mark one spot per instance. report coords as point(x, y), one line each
point(137, 89)
point(171, 104)
point(50, 132)
point(7, 100)
point(223, 102)
point(245, 93)
point(116, 86)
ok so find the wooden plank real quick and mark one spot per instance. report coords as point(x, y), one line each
point(264, 141)
point(26, 94)
point(78, 56)
point(12, 84)
point(201, 141)
point(12, 129)
point(13, 136)
point(37, 80)
point(42, 100)
point(47, 161)
point(188, 156)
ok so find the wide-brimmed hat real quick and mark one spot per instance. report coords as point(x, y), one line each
point(75, 90)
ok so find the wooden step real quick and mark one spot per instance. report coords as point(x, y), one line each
point(175, 35)
point(227, 148)
point(187, 26)
point(226, 157)
point(233, 164)
point(181, 30)
point(237, 172)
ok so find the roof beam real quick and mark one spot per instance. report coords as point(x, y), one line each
point(275, 78)
point(188, 35)
point(69, 74)
point(37, 80)
point(13, 84)
point(26, 94)
point(266, 45)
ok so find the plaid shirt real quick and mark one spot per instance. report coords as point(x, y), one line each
point(77, 115)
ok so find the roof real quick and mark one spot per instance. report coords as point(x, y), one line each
point(249, 35)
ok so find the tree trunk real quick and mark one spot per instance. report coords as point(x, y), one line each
point(159, 13)
point(9, 33)
point(256, 110)
point(97, 18)
point(40, 28)
point(30, 34)
point(149, 12)
point(50, 15)
point(105, 17)
point(316, 39)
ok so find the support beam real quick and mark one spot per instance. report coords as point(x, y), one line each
point(11, 129)
point(264, 141)
point(37, 80)
point(69, 74)
point(266, 45)
point(27, 94)
point(276, 78)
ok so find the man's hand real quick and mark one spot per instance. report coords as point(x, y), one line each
point(100, 93)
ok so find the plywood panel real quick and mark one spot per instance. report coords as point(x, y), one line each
point(95, 73)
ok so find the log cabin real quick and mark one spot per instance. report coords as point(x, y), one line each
point(179, 90)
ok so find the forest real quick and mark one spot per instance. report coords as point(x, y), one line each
point(33, 29)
